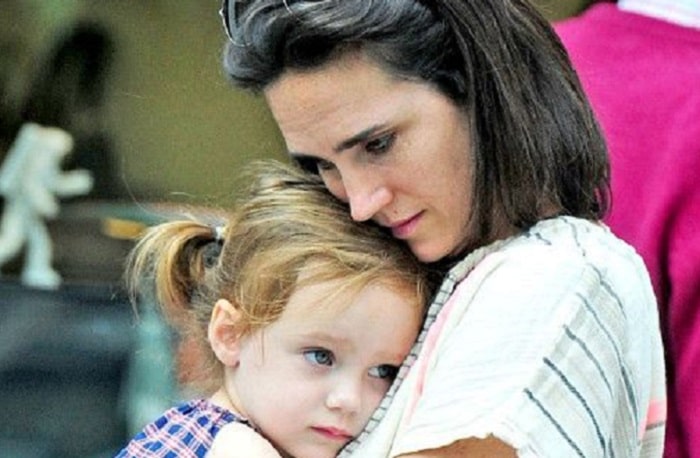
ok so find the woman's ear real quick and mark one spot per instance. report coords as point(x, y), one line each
point(224, 332)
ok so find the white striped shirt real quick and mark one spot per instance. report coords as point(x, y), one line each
point(549, 341)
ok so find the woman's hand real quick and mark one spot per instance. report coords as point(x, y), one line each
point(237, 440)
point(476, 448)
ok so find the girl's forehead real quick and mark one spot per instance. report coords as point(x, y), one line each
point(322, 303)
point(329, 308)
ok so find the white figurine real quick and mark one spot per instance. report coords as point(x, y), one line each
point(31, 180)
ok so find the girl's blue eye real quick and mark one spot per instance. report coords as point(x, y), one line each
point(319, 356)
point(385, 371)
point(381, 144)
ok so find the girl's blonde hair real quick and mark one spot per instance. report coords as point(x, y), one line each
point(286, 224)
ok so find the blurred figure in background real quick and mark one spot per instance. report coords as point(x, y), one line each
point(67, 89)
point(31, 181)
point(639, 61)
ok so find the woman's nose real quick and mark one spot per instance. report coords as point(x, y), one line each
point(366, 197)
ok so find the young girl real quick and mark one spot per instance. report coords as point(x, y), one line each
point(304, 317)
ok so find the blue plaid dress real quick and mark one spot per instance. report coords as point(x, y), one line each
point(185, 431)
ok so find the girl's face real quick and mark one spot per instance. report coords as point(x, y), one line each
point(397, 151)
point(310, 380)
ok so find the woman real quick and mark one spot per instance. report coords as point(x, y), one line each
point(461, 127)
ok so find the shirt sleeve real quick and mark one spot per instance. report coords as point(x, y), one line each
point(537, 359)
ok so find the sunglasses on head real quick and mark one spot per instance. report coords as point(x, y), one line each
point(230, 12)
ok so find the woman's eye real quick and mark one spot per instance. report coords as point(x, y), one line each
point(319, 356)
point(307, 164)
point(381, 144)
point(324, 166)
point(385, 371)
point(313, 165)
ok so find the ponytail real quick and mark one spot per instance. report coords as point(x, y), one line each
point(170, 263)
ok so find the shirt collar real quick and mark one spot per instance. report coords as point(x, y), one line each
point(682, 12)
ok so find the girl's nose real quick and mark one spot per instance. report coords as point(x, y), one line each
point(345, 396)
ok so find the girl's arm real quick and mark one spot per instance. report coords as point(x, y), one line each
point(237, 440)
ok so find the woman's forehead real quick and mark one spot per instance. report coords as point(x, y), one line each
point(334, 104)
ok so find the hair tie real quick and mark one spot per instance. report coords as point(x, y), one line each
point(212, 250)
point(219, 233)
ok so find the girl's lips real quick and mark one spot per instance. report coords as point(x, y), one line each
point(403, 229)
point(333, 433)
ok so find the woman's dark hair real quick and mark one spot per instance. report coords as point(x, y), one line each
point(536, 145)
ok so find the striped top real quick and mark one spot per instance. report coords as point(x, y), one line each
point(681, 12)
point(549, 341)
point(185, 431)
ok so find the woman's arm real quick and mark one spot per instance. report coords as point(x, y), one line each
point(474, 448)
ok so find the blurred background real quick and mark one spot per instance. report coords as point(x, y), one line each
point(139, 86)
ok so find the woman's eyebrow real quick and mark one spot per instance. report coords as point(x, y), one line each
point(343, 145)
point(358, 138)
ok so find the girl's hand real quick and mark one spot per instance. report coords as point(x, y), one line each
point(237, 440)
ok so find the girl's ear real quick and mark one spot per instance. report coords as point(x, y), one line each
point(223, 332)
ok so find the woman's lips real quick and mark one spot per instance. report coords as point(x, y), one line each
point(403, 229)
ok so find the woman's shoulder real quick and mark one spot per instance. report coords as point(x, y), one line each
point(564, 240)
point(577, 237)
point(563, 264)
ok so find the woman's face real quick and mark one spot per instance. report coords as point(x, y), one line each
point(397, 151)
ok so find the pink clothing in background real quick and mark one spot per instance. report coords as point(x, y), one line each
point(642, 76)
